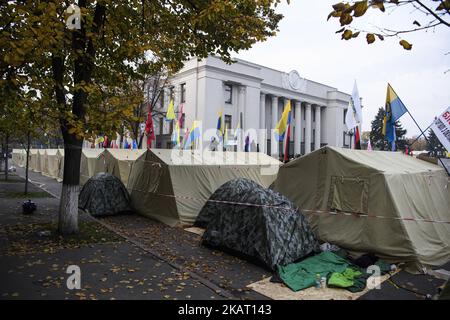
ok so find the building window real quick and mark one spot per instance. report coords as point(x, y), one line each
point(171, 93)
point(183, 92)
point(345, 114)
point(227, 121)
point(228, 94)
point(304, 135)
point(314, 116)
point(304, 115)
point(314, 135)
point(170, 129)
point(345, 139)
point(183, 116)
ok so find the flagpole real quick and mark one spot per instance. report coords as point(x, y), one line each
point(421, 131)
point(418, 137)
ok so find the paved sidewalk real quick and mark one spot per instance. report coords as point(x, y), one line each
point(34, 259)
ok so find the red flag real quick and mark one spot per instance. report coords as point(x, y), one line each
point(286, 148)
point(357, 139)
point(180, 118)
point(105, 142)
point(149, 129)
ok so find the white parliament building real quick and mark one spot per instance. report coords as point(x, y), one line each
point(254, 96)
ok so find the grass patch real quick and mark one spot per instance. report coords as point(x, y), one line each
point(26, 238)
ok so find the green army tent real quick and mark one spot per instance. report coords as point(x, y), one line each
point(119, 162)
point(33, 161)
point(173, 185)
point(40, 159)
point(410, 197)
point(90, 164)
point(18, 157)
point(51, 163)
point(60, 155)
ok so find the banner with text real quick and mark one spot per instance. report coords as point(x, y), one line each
point(441, 128)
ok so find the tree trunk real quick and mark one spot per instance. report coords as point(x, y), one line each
point(28, 160)
point(68, 208)
point(82, 73)
point(6, 159)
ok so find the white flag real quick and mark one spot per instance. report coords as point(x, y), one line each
point(350, 120)
point(357, 104)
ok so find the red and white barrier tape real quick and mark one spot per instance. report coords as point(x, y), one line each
point(356, 215)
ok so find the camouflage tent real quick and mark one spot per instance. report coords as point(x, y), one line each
point(264, 226)
point(104, 194)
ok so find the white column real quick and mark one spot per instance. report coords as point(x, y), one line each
point(262, 132)
point(308, 128)
point(298, 127)
point(273, 142)
point(317, 137)
point(241, 110)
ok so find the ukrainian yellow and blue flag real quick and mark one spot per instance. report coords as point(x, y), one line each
point(394, 110)
point(176, 134)
point(220, 127)
point(194, 134)
point(285, 121)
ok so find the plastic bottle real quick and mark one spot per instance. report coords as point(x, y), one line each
point(318, 278)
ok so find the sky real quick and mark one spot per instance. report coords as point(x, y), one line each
point(306, 42)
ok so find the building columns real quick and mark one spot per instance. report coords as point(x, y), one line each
point(273, 140)
point(241, 111)
point(262, 132)
point(318, 133)
point(308, 128)
point(298, 128)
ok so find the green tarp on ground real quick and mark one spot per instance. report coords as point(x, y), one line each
point(395, 187)
point(302, 275)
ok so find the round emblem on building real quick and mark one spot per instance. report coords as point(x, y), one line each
point(294, 80)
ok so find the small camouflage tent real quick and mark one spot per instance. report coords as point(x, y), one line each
point(104, 194)
point(408, 201)
point(260, 223)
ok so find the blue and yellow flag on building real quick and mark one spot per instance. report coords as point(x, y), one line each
point(220, 127)
point(176, 134)
point(394, 110)
point(194, 134)
point(285, 121)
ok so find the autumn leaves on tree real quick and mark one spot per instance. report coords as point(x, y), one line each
point(434, 13)
point(84, 79)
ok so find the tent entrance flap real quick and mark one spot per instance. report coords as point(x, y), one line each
point(349, 194)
